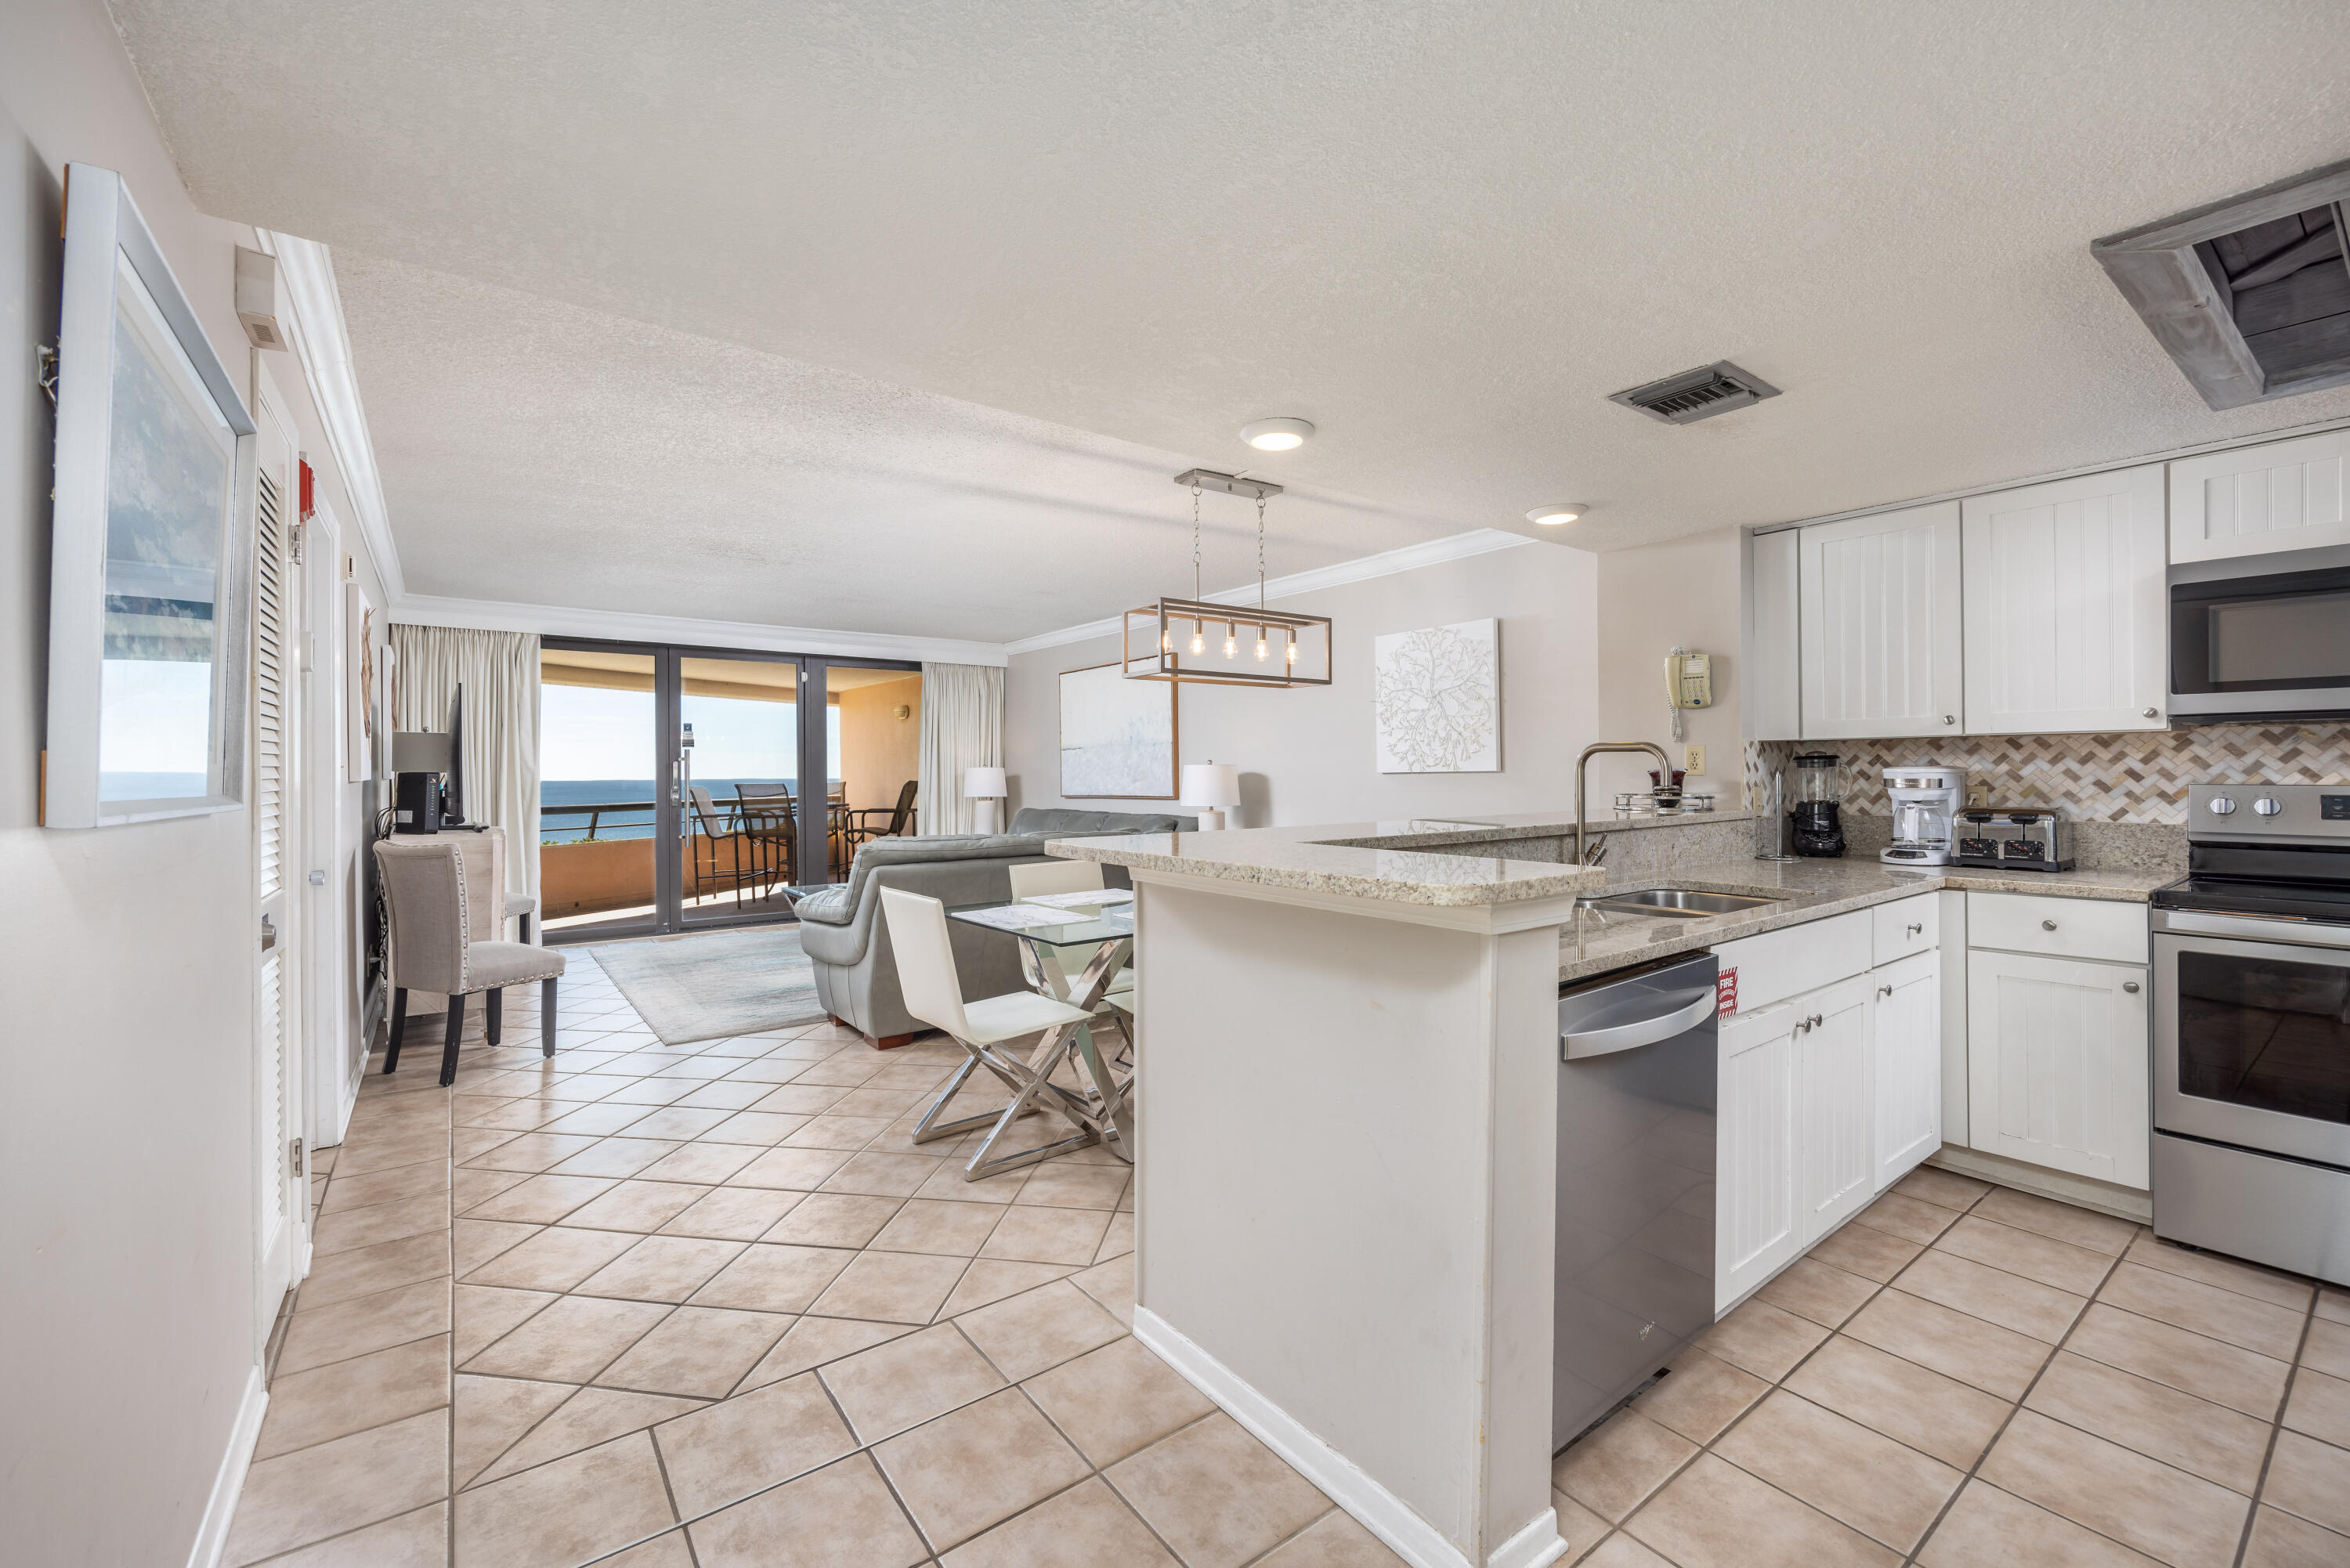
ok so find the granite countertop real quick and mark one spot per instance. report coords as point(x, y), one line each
point(1289, 858)
point(1596, 941)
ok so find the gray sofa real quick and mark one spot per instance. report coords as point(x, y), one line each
point(844, 936)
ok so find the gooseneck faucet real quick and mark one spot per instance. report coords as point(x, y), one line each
point(1663, 763)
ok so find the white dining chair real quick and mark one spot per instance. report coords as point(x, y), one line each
point(1070, 877)
point(933, 993)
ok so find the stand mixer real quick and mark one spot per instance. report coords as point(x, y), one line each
point(1924, 802)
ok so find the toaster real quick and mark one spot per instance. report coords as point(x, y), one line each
point(2026, 837)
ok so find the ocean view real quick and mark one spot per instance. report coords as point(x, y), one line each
point(572, 828)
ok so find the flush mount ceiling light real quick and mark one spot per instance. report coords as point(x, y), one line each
point(1276, 435)
point(1557, 512)
point(1170, 640)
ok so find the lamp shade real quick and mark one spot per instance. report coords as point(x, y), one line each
point(1212, 783)
point(421, 752)
point(982, 784)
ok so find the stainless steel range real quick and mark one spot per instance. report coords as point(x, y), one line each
point(2252, 1030)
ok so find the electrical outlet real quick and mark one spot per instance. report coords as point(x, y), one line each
point(1693, 760)
point(1978, 794)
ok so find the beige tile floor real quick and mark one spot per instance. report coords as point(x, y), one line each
point(1969, 1377)
point(708, 1307)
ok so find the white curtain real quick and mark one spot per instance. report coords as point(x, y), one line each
point(962, 727)
point(499, 671)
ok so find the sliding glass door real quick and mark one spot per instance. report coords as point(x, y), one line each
point(689, 788)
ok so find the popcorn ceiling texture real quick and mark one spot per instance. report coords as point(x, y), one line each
point(2138, 777)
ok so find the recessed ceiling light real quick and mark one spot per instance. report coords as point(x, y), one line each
point(1276, 435)
point(1557, 512)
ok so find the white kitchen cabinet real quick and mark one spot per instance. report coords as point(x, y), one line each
point(2056, 1055)
point(2254, 499)
point(1880, 632)
point(1771, 683)
point(1755, 1230)
point(2066, 621)
point(1835, 1147)
point(1906, 1030)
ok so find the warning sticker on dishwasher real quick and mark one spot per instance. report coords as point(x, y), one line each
point(1725, 992)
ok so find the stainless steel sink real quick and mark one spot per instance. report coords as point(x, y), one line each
point(1684, 901)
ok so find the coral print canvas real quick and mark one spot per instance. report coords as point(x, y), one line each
point(1437, 705)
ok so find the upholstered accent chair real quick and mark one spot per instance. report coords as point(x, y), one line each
point(847, 943)
point(445, 891)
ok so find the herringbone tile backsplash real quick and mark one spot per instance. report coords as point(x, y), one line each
point(2136, 777)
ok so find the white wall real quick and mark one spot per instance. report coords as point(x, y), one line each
point(1306, 754)
point(129, 1323)
point(1682, 593)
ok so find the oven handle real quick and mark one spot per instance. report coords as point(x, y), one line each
point(2253, 929)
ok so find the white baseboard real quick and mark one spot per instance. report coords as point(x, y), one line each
point(1373, 1506)
point(211, 1534)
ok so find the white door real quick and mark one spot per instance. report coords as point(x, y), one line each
point(283, 1179)
point(1756, 1231)
point(329, 1072)
point(2278, 495)
point(1907, 1028)
point(2057, 1052)
point(2066, 618)
point(1835, 1148)
point(1881, 636)
point(1772, 682)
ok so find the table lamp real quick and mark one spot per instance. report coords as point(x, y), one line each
point(1210, 786)
point(984, 787)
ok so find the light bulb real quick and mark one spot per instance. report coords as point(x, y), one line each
point(1231, 642)
point(1198, 643)
point(1293, 648)
point(1166, 642)
point(1260, 646)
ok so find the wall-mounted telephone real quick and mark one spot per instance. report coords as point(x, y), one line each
point(1688, 683)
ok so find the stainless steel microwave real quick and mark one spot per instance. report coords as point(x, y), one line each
point(2261, 636)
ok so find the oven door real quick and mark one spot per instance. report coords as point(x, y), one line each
point(2251, 1041)
point(2275, 641)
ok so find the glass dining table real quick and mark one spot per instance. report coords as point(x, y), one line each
point(1102, 1104)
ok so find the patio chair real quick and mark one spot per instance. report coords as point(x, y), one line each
point(897, 821)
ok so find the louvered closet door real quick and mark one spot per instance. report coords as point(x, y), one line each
point(1879, 615)
point(283, 1180)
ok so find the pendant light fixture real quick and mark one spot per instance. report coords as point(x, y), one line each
point(1169, 641)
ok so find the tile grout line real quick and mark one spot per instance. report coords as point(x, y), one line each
point(2276, 1426)
point(1975, 1469)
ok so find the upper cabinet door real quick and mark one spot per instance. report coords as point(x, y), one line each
point(2283, 495)
point(2064, 607)
point(1771, 682)
point(1881, 637)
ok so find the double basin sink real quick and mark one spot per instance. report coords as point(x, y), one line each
point(1685, 902)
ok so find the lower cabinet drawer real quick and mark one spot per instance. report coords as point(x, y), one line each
point(1907, 925)
point(1782, 963)
point(2059, 928)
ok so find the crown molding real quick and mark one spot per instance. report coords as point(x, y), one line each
point(1409, 558)
point(630, 626)
point(323, 345)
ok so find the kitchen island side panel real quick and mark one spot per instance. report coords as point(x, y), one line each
point(1316, 1199)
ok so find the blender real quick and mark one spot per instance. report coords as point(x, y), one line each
point(1924, 802)
point(1818, 830)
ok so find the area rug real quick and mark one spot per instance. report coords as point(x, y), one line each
point(715, 984)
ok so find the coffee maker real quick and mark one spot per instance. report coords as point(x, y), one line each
point(1819, 831)
point(1926, 801)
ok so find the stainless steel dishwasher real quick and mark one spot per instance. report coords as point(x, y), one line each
point(1637, 1095)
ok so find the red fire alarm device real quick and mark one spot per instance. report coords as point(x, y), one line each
point(309, 491)
point(1725, 992)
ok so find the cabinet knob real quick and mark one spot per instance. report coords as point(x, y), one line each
point(2130, 986)
point(1884, 991)
point(1915, 930)
point(1817, 1019)
point(2047, 925)
point(2154, 712)
point(1949, 718)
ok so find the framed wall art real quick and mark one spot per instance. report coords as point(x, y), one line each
point(1439, 703)
point(1117, 736)
point(147, 698)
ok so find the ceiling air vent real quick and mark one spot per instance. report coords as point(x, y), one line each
point(1698, 394)
point(2250, 296)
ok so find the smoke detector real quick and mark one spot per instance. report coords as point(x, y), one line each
point(1698, 394)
